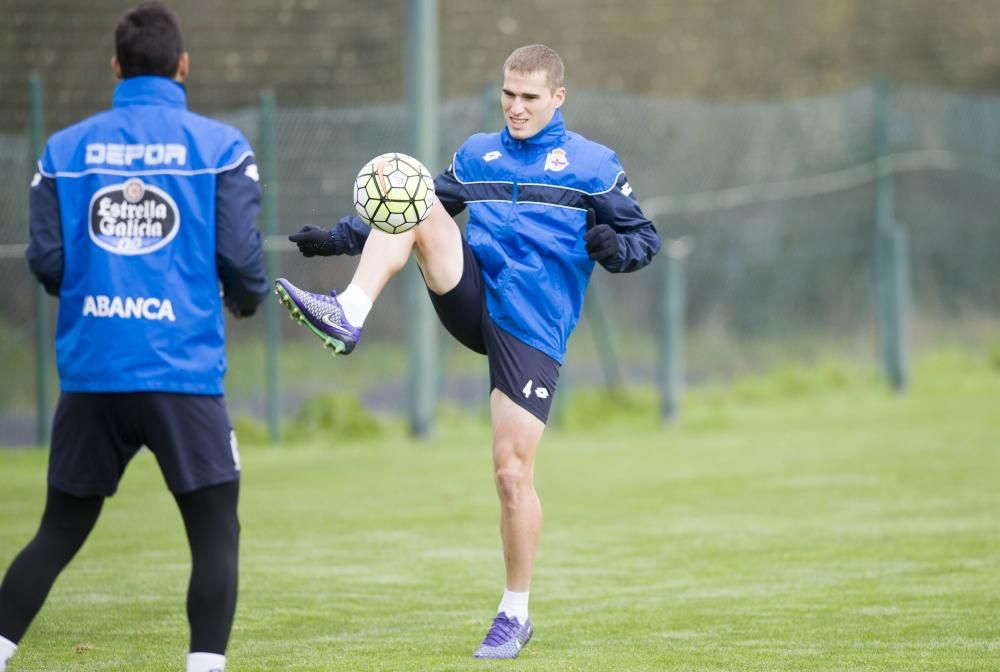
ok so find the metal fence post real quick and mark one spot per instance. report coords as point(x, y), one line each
point(671, 322)
point(42, 341)
point(422, 78)
point(892, 273)
point(490, 116)
point(268, 148)
point(894, 298)
point(600, 331)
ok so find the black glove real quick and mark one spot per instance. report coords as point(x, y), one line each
point(238, 311)
point(601, 239)
point(314, 242)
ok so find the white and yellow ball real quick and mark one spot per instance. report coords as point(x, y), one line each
point(393, 192)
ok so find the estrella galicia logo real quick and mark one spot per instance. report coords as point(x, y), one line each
point(133, 218)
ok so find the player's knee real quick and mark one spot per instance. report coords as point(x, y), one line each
point(437, 234)
point(209, 593)
point(393, 249)
point(67, 522)
point(512, 480)
point(435, 241)
point(229, 528)
point(223, 536)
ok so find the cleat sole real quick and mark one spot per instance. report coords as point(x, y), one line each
point(329, 343)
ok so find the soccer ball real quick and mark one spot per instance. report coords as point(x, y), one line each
point(393, 192)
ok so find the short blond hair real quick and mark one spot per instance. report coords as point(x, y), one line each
point(537, 58)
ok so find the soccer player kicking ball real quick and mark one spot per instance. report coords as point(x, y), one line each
point(138, 215)
point(544, 205)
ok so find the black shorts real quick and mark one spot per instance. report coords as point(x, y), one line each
point(527, 375)
point(95, 435)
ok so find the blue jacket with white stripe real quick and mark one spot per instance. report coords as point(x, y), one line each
point(528, 202)
point(143, 223)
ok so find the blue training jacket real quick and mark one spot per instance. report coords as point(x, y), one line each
point(143, 224)
point(528, 202)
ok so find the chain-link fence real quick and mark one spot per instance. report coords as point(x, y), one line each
point(778, 200)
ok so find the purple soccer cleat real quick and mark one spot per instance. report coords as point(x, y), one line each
point(322, 314)
point(505, 639)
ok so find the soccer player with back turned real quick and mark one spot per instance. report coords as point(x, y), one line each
point(142, 223)
point(544, 205)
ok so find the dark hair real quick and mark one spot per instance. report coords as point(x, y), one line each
point(148, 41)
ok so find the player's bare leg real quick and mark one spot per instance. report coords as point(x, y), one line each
point(436, 243)
point(516, 434)
point(384, 255)
point(338, 319)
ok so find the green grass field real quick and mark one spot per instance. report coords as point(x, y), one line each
point(808, 521)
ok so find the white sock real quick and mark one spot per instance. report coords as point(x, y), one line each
point(515, 605)
point(206, 662)
point(356, 305)
point(7, 649)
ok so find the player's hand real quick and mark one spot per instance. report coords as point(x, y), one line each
point(236, 310)
point(601, 239)
point(314, 242)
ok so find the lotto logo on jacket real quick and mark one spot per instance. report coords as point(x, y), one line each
point(133, 218)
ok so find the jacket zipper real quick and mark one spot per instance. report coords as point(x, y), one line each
point(520, 149)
